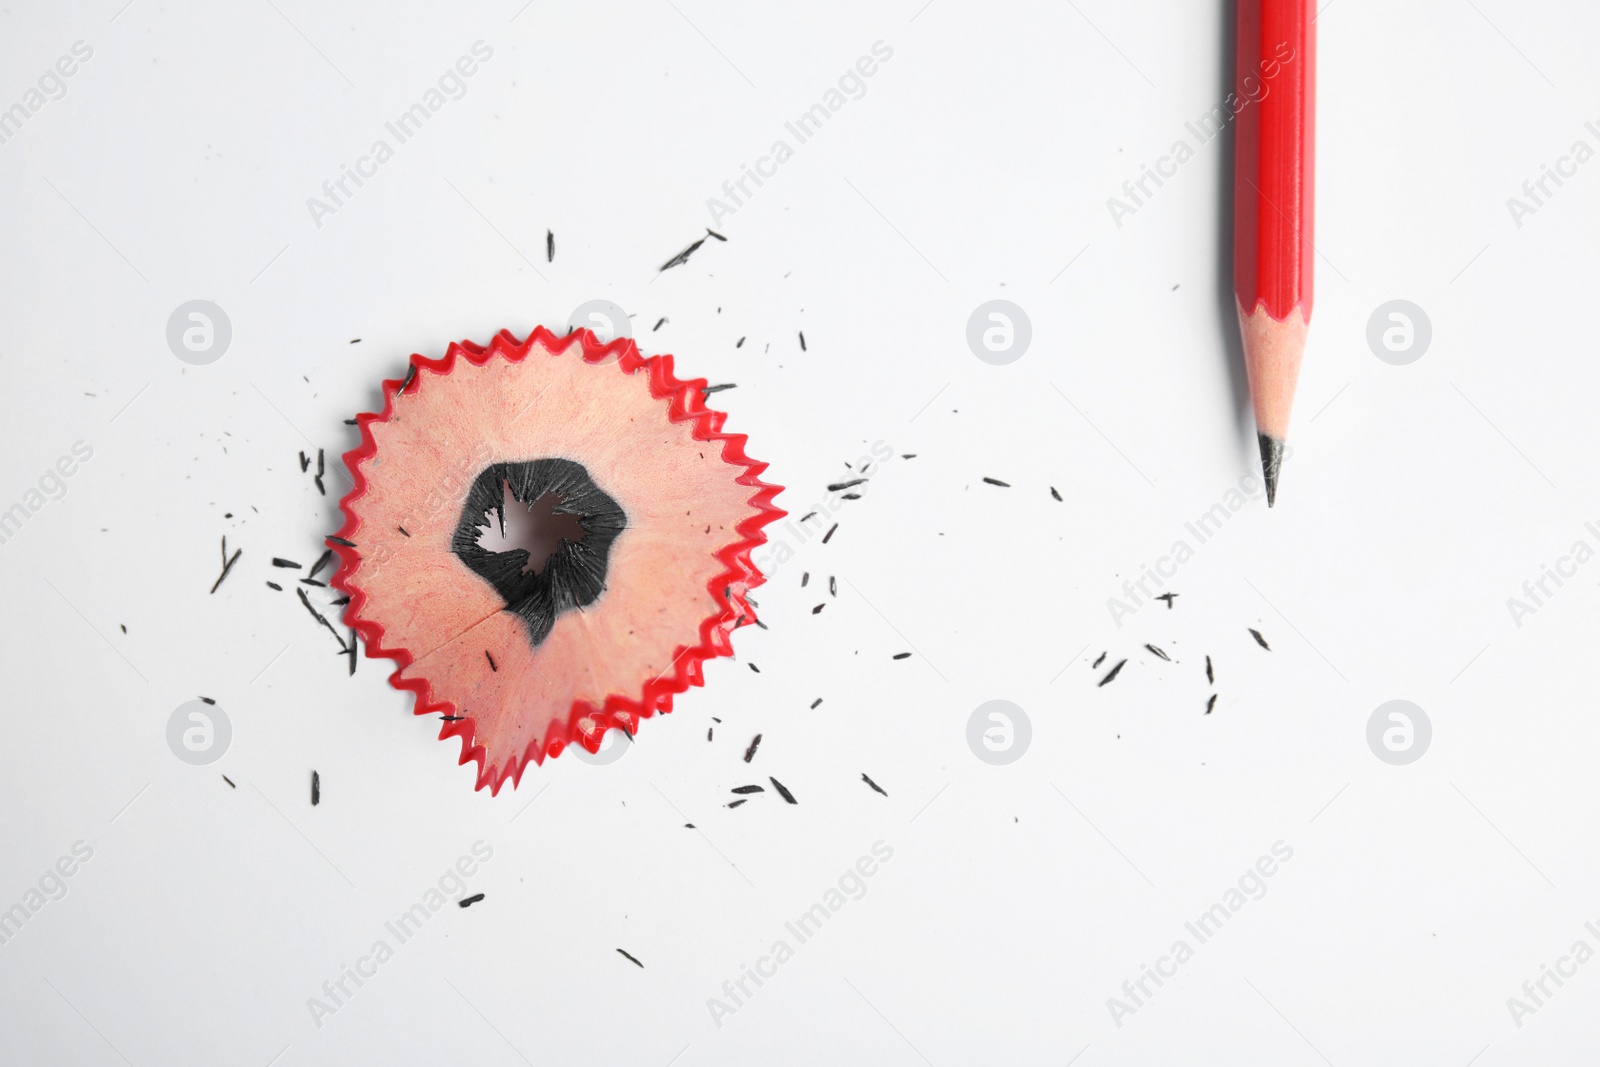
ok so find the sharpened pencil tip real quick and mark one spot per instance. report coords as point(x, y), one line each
point(1271, 461)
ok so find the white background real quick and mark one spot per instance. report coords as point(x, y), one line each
point(976, 166)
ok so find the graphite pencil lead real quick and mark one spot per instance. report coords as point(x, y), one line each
point(1271, 462)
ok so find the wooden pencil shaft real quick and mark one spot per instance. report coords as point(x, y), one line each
point(1274, 156)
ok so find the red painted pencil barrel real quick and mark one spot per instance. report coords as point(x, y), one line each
point(1275, 79)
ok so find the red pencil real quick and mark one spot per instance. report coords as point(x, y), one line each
point(1274, 164)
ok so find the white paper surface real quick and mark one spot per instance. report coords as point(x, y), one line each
point(975, 164)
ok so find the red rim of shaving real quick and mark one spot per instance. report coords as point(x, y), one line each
point(428, 673)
